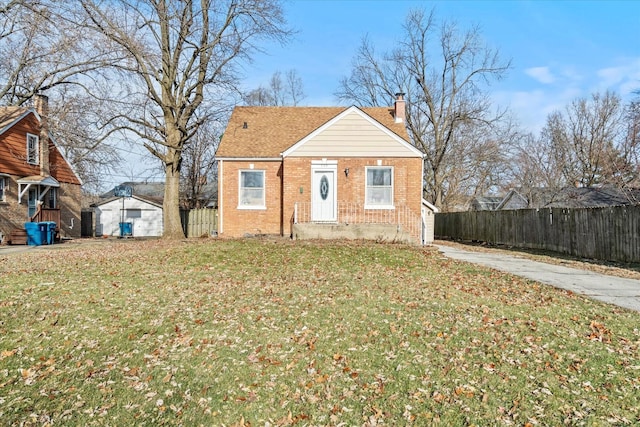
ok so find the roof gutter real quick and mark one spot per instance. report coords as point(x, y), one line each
point(251, 159)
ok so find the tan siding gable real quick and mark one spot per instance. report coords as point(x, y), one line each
point(354, 136)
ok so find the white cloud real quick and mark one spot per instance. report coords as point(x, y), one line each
point(532, 107)
point(541, 74)
point(570, 73)
point(623, 78)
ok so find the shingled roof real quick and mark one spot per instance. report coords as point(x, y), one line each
point(569, 197)
point(271, 130)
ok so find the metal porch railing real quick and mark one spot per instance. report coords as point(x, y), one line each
point(355, 213)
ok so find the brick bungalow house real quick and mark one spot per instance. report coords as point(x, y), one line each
point(36, 181)
point(320, 172)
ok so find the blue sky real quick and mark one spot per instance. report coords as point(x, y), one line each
point(560, 50)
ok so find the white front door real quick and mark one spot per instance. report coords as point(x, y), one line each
point(324, 196)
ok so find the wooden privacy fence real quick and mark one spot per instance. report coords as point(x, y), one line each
point(199, 222)
point(611, 233)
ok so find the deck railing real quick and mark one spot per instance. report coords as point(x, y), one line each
point(46, 214)
point(355, 213)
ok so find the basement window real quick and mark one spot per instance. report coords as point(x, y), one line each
point(251, 193)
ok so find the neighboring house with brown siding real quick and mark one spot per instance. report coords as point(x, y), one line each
point(36, 182)
point(320, 172)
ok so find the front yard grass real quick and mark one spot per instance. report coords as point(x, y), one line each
point(274, 332)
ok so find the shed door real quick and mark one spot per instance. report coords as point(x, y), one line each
point(324, 195)
point(104, 223)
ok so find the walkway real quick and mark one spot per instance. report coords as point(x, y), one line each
point(614, 290)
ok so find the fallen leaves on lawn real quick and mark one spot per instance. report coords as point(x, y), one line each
point(264, 332)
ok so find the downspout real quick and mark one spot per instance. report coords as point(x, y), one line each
point(220, 197)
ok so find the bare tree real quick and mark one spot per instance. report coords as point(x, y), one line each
point(444, 71)
point(630, 148)
point(174, 50)
point(478, 170)
point(74, 120)
point(199, 167)
point(586, 141)
point(279, 92)
point(41, 50)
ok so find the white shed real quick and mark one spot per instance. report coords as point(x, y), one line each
point(144, 215)
point(428, 222)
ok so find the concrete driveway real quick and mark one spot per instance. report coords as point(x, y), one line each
point(614, 290)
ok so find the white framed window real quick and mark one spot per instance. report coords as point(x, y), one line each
point(251, 194)
point(33, 149)
point(379, 187)
point(4, 186)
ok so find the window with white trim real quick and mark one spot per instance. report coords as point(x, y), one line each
point(4, 183)
point(33, 149)
point(379, 187)
point(251, 193)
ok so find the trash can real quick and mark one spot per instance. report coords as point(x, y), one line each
point(34, 235)
point(126, 229)
point(44, 230)
point(51, 232)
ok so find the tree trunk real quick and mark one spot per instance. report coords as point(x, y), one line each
point(437, 190)
point(171, 206)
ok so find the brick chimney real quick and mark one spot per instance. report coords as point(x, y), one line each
point(399, 108)
point(41, 105)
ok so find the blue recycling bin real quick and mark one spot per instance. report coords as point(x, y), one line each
point(51, 231)
point(126, 229)
point(34, 235)
point(44, 230)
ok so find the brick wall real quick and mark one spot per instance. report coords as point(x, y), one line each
point(407, 182)
point(69, 201)
point(240, 222)
point(14, 215)
point(282, 196)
